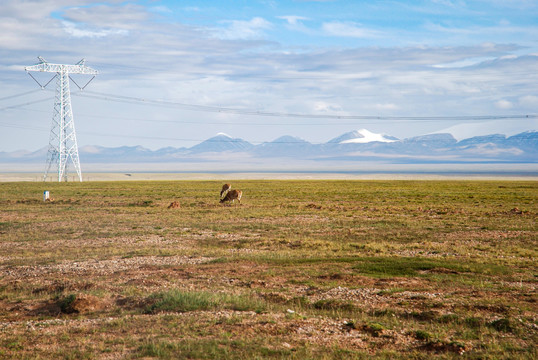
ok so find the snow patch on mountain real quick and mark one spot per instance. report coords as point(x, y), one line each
point(364, 136)
point(506, 127)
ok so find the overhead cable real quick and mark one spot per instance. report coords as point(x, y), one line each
point(18, 95)
point(25, 104)
point(218, 109)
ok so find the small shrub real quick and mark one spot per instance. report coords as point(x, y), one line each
point(439, 346)
point(448, 319)
point(383, 312)
point(176, 300)
point(350, 325)
point(66, 304)
point(375, 329)
point(300, 301)
point(422, 335)
point(504, 325)
point(474, 322)
point(424, 315)
point(80, 303)
point(332, 304)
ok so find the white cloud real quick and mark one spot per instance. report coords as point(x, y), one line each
point(474, 33)
point(78, 32)
point(449, 3)
point(34, 10)
point(504, 104)
point(243, 30)
point(161, 9)
point(127, 16)
point(295, 23)
point(322, 106)
point(464, 62)
point(529, 100)
point(345, 29)
point(386, 107)
point(293, 19)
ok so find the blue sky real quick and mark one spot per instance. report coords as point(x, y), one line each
point(359, 23)
point(166, 67)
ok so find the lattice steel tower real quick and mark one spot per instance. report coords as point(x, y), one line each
point(63, 140)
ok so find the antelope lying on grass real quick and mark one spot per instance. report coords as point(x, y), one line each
point(232, 195)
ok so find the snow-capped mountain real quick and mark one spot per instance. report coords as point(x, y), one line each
point(360, 145)
point(361, 136)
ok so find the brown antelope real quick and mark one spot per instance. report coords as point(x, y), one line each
point(224, 191)
point(232, 195)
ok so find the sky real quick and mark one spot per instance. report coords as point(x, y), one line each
point(174, 73)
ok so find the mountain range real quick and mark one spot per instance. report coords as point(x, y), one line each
point(360, 145)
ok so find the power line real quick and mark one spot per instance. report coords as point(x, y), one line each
point(205, 108)
point(243, 123)
point(250, 112)
point(18, 95)
point(218, 109)
point(25, 104)
point(25, 127)
point(17, 126)
point(230, 123)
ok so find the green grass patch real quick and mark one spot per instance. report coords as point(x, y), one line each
point(423, 335)
point(333, 304)
point(504, 325)
point(414, 266)
point(218, 349)
point(183, 301)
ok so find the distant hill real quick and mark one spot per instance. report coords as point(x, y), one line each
point(220, 143)
point(352, 146)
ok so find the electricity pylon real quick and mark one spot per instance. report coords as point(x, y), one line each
point(63, 140)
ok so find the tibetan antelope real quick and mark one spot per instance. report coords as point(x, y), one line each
point(224, 191)
point(232, 195)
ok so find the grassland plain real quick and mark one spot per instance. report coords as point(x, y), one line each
point(301, 269)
